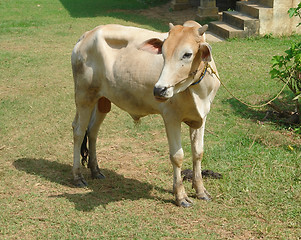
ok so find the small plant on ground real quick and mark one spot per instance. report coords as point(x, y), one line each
point(287, 67)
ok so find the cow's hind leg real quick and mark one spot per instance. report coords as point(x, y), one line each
point(173, 130)
point(197, 148)
point(100, 111)
point(80, 124)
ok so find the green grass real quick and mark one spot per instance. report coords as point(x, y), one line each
point(258, 197)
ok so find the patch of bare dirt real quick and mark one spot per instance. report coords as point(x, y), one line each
point(165, 13)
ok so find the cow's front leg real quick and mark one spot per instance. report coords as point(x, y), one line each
point(173, 130)
point(197, 148)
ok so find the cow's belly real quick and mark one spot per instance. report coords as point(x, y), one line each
point(137, 105)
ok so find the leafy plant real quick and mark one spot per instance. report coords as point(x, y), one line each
point(295, 12)
point(287, 67)
point(297, 130)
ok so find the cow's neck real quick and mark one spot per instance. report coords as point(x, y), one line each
point(201, 92)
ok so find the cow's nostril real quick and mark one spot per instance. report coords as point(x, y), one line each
point(160, 91)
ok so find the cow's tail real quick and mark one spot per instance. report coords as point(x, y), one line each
point(84, 150)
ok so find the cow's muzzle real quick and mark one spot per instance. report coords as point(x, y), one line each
point(160, 93)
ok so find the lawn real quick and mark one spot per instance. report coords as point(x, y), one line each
point(258, 197)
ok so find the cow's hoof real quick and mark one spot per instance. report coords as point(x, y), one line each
point(81, 183)
point(204, 196)
point(186, 203)
point(98, 175)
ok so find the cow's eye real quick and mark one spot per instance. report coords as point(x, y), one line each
point(187, 56)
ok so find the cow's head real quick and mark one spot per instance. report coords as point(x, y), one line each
point(183, 51)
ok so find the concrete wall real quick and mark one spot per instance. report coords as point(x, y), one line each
point(277, 20)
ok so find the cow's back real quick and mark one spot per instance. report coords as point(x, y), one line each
point(106, 41)
point(107, 59)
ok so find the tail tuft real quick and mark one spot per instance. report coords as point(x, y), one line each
point(84, 151)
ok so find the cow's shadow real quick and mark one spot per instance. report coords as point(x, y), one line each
point(113, 188)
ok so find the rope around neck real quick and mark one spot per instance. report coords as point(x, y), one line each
point(247, 104)
point(202, 75)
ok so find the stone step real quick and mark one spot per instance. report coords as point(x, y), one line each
point(242, 21)
point(211, 37)
point(253, 8)
point(226, 30)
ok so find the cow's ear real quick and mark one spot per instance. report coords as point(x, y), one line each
point(153, 45)
point(205, 49)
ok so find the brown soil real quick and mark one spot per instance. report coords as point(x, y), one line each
point(165, 13)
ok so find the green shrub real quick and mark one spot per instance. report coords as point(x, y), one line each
point(287, 67)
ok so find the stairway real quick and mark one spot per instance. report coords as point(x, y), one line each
point(245, 21)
